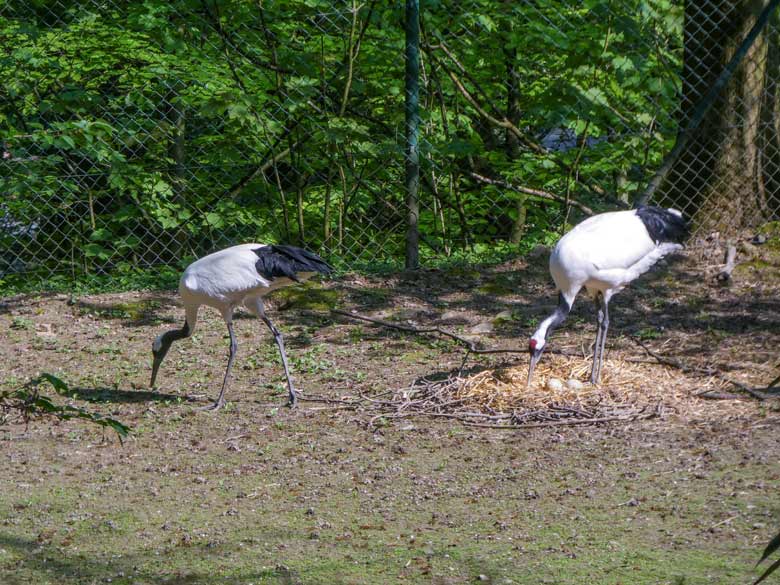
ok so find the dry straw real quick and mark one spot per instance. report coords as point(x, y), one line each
point(623, 383)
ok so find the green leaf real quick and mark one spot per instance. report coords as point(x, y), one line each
point(623, 64)
point(773, 545)
point(162, 187)
point(768, 572)
point(96, 251)
point(60, 386)
point(214, 220)
point(64, 141)
point(101, 234)
point(30, 403)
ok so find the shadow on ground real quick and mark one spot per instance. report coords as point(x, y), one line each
point(126, 396)
point(52, 564)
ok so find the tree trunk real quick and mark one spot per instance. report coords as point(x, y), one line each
point(719, 178)
point(178, 169)
point(770, 123)
point(511, 140)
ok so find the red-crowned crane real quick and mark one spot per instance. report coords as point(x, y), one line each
point(241, 274)
point(603, 254)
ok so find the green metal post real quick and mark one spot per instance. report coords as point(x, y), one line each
point(412, 123)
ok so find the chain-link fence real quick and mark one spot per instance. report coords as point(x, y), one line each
point(139, 134)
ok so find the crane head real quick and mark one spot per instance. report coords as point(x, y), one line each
point(163, 343)
point(535, 349)
point(159, 349)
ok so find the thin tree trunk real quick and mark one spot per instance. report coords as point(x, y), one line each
point(178, 173)
point(326, 233)
point(342, 206)
point(412, 179)
point(299, 203)
point(770, 124)
point(283, 202)
point(511, 139)
point(464, 225)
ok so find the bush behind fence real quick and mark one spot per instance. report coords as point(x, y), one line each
point(142, 134)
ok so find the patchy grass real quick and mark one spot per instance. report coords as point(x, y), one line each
point(259, 493)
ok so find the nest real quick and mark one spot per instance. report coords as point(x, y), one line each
point(622, 383)
point(500, 398)
point(630, 389)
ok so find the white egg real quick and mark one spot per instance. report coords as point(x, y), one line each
point(554, 385)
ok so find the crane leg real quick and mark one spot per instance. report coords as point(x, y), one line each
point(604, 329)
point(233, 349)
point(594, 372)
point(280, 344)
point(255, 305)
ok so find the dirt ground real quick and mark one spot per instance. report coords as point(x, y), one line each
point(259, 493)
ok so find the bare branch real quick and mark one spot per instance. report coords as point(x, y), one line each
point(530, 191)
point(470, 345)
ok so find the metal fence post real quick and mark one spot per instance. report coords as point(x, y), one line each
point(412, 123)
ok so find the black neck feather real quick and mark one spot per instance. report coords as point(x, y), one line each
point(287, 261)
point(174, 335)
point(663, 225)
point(559, 315)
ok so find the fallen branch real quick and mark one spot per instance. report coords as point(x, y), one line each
point(667, 361)
point(569, 422)
point(470, 345)
point(715, 395)
point(755, 393)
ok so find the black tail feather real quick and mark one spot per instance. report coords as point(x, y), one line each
point(280, 260)
point(663, 225)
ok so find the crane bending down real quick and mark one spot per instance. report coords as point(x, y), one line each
point(603, 254)
point(236, 275)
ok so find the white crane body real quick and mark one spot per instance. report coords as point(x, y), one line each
point(603, 254)
point(241, 274)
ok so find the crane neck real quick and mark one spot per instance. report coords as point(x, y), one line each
point(176, 334)
point(558, 316)
point(166, 339)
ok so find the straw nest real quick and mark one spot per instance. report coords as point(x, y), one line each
point(631, 389)
point(622, 383)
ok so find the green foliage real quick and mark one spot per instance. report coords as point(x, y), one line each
point(147, 133)
point(124, 277)
point(28, 403)
point(773, 545)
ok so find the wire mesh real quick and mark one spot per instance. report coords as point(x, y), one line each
point(142, 134)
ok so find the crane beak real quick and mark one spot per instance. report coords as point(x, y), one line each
point(159, 356)
point(155, 369)
point(535, 355)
